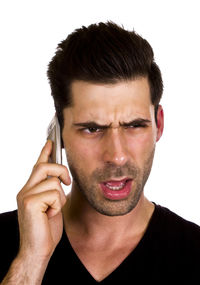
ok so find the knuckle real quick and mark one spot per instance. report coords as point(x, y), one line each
point(39, 166)
point(27, 202)
point(18, 196)
point(65, 169)
point(56, 193)
point(56, 181)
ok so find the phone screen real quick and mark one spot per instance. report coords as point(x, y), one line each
point(53, 133)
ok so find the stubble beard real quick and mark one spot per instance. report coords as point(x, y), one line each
point(90, 188)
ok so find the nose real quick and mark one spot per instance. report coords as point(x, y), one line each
point(114, 148)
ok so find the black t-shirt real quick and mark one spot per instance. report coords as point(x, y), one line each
point(168, 253)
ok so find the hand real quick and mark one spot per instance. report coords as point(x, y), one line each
point(39, 207)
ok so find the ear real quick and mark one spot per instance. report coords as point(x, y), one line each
point(160, 122)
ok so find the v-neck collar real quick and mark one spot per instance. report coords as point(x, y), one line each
point(132, 255)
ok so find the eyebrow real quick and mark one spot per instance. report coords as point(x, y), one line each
point(93, 124)
point(136, 121)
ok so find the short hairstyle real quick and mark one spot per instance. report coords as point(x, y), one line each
point(101, 53)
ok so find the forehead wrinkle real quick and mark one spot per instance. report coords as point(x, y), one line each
point(103, 117)
point(115, 119)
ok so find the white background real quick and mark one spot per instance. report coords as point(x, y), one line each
point(30, 32)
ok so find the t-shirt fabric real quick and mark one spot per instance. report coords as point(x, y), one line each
point(168, 253)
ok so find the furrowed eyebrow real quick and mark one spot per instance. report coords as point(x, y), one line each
point(92, 124)
point(136, 121)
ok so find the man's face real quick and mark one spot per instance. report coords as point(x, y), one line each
point(110, 135)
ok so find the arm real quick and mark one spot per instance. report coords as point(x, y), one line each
point(40, 220)
point(25, 271)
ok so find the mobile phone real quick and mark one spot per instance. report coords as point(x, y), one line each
point(53, 133)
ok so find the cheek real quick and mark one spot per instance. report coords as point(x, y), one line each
point(82, 154)
point(146, 141)
point(141, 146)
point(142, 140)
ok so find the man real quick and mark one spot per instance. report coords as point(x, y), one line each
point(106, 88)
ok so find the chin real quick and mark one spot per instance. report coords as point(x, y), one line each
point(114, 208)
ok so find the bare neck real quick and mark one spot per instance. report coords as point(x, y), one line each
point(81, 219)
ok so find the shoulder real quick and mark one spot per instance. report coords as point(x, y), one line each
point(174, 246)
point(9, 230)
point(9, 227)
point(7, 216)
point(176, 231)
point(171, 219)
point(9, 221)
point(9, 240)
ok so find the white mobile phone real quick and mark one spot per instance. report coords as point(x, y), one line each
point(53, 133)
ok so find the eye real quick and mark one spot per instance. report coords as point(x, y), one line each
point(91, 130)
point(136, 125)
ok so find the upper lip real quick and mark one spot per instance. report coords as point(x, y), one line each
point(117, 180)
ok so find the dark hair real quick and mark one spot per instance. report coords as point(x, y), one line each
point(101, 53)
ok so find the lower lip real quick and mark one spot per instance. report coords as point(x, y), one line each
point(117, 194)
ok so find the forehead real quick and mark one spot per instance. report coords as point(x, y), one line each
point(108, 102)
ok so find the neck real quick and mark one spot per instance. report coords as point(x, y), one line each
point(83, 220)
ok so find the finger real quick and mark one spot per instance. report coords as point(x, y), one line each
point(52, 183)
point(42, 170)
point(48, 202)
point(45, 153)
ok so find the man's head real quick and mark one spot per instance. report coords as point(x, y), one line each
point(101, 53)
point(106, 87)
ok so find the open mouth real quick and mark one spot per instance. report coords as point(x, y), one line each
point(116, 189)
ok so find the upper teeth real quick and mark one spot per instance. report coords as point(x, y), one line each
point(115, 187)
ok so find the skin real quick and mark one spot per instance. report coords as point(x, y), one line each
point(102, 232)
point(95, 155)
point(115, 152)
